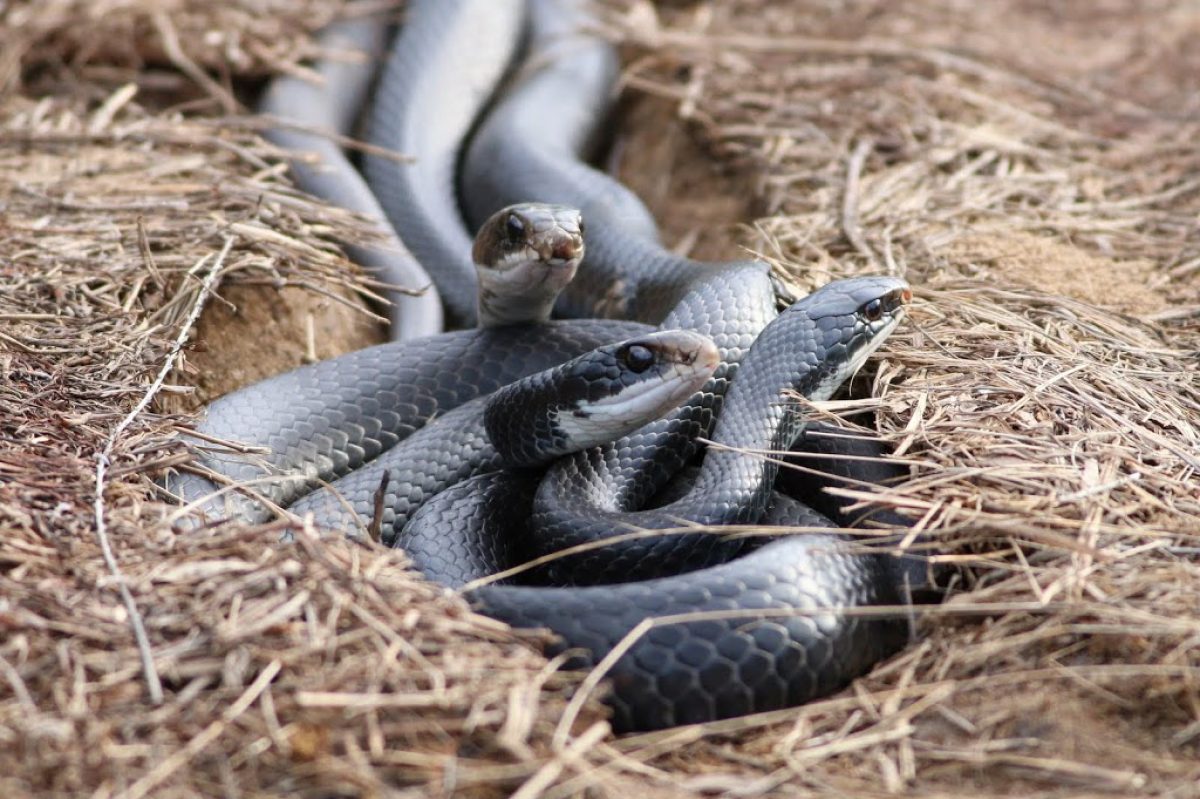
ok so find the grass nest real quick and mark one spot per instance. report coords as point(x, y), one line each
point(1031, 170)
point(136, 660)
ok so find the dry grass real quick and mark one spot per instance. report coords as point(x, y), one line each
point(137, 661)
point(1043, 201)
point(1032, 171)
point(211, 44)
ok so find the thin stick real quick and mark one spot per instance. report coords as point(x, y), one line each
point(850, 200)
point(375, 528)
point(103, 461)
point(552, 770)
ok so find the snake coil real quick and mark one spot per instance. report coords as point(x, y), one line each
point(774, 633)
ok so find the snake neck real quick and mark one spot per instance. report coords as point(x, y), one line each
point(497, 306)
point(759, 420)
point(735, 481)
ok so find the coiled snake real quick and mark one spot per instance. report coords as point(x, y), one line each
point(784, 638)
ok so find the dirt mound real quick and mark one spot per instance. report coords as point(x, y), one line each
point(144, 661)
point(1030, 168)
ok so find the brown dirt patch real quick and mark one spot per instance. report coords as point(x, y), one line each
point(1047, 264)
point(701, 203)
point(259, 331)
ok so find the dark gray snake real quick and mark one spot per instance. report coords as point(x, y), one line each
point(771, 650)
point(788, 642)
point(324, 421)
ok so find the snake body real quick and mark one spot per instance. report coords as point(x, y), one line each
point(441, 70)
point(785, 640)
point(332, 105)
point(776, 638)
point(561, 410)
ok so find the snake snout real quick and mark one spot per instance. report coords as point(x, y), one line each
point(556, 234)
point(703, 355)
point(561, 249)
point(687, 350)
point(897, 300)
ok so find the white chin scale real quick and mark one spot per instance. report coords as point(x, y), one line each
point(610, 418)
point(528, 273)
point(522, 287)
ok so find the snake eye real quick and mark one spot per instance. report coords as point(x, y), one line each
point(582, 227)
point(636, 358)
point(514, 228)
point(872, 310)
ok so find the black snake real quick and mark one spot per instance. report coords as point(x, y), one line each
point(785, 641)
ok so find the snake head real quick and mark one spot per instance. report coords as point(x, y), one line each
point(847, 320)
point(525, 255)
point(598, 397)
